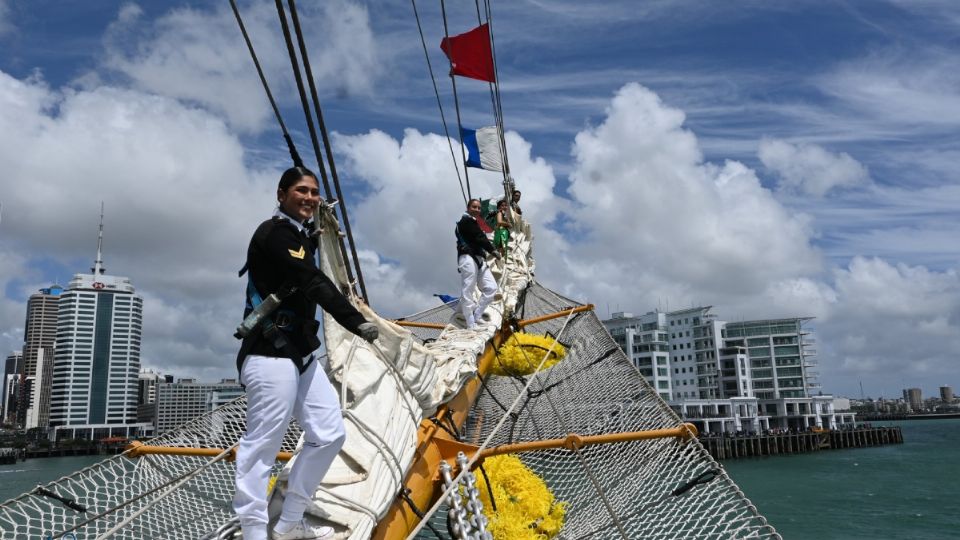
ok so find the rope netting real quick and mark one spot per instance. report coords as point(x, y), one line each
point(115, 489)
point(660, 488)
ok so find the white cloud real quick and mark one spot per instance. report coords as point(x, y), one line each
point(200, 56)
point(6, 26)
point(809, 168)
point(13, 270)
point(938, 11)
point(180, 206)
point(893, 326)
point(914, 89)
point(648, 202)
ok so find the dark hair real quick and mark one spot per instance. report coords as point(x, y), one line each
point(517, 192)
point(293, 175)
point(501, 201)
point(471, 200)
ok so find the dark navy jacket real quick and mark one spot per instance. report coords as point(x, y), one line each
point(280, 255)
point(471, 240)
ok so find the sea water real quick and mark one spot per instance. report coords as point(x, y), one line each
point(899, 491)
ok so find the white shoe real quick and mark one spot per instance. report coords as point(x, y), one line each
point(302, 531)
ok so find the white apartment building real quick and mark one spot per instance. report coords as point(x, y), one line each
point(665, 347)
point(728, 377)
point(97, 358)
point(183, 401)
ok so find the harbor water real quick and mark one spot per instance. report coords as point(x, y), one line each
point(901, 491)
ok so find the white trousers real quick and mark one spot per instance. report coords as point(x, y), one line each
point(470, 277)
point(275, 393)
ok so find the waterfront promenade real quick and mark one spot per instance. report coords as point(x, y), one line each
point(741, 446)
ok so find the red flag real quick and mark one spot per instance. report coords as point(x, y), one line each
point(470, 55)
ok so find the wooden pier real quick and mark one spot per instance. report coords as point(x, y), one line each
point(796, 443)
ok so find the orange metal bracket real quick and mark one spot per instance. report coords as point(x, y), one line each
point(556, 315)
point(138, 449)
point(414, 324)
point(573, 441)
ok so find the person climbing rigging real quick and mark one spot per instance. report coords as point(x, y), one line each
point(515, 202)
point(501, 235)
point(279, 370)
point(472, 247)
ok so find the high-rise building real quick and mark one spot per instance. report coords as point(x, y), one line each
point(97, 359)
point(946, 394)
point(39, 337)
point(913, 397)
point(181, 402)
point(11, 378)
point(148, 381)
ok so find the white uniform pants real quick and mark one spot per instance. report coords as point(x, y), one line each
point(275, 392)
point(470, 277)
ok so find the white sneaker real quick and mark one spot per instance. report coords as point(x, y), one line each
point(302, 531)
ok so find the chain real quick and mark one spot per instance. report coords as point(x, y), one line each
point(467, 521)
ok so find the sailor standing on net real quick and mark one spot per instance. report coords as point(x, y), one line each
point(472, 247)
point(278, 368)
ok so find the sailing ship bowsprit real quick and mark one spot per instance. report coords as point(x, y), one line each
point(535, 424)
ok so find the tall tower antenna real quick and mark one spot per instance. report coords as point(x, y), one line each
point(98, 263)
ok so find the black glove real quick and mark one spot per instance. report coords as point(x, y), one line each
point(368, 331)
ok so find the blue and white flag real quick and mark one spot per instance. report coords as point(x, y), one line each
point(483, 148)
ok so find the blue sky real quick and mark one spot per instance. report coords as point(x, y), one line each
point(769, 160)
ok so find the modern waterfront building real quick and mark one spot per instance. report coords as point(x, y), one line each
point(180, 402)
point(780, 354)
point(946, 394)
point(147, 384)
point(749, 376)
point(97, 359)
point(11, 378)
point(914, 398)
point(665, 347)
point(39, 337)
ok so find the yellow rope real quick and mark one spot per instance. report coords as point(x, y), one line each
point(526, 509)
point(513, 358)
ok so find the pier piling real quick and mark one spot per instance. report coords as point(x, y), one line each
point(732, 447)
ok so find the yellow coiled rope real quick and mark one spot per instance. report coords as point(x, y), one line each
point(521, 354)
point(526, 509)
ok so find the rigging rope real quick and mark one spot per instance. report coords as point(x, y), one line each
point(326, 144)
point(295, 65)
point(495, 102)
point(456, 100)
point(294, 155)
point(436, 92)
point(499, 103)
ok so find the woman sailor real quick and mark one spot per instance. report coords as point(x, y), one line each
point(278, 367)
point(472, 248)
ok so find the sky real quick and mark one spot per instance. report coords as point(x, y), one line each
point(767, 159)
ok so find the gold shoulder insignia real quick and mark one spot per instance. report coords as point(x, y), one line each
point(297, 254)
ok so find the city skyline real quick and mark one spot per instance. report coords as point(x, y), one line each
point(777, 160)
